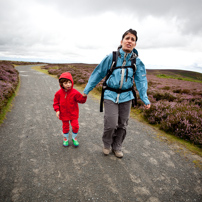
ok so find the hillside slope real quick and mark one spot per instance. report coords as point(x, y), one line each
point(176, 73)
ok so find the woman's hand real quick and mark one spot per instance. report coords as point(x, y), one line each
point(147, 106)
point(84, 95)
point(58, 114)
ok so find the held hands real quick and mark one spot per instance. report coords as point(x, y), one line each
point(58, 113)
point(146, 106)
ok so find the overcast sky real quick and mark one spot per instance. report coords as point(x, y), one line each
point(169, 32)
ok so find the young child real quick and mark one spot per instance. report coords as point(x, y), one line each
point(66, 106)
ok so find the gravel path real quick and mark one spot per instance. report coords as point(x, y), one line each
point(35, 166)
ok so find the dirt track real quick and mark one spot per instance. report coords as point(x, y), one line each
point(35, 166)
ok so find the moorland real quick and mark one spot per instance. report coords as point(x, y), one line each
point(175, 96)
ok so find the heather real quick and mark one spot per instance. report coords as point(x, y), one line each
point(80, 72)
point(176, 107)
point(175, 99)
point(9, 79)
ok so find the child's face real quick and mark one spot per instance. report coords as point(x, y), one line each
point(67, 85)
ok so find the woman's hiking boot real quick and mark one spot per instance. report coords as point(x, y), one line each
point(106, 151)
point(118, 154)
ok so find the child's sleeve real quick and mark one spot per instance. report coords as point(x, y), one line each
point(80, 98)
point(56, 102)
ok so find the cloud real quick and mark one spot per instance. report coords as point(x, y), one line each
point(85, 31)
point(187, 12)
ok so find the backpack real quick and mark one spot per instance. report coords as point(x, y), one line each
point(113, 67)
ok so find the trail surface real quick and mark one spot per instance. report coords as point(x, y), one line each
point(34, 166)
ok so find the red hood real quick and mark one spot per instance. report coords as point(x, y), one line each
point(67, 75)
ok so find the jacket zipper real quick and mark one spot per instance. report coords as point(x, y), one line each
point(122, 75)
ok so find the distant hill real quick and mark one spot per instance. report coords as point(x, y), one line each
point(163, 73)
point(176, 74)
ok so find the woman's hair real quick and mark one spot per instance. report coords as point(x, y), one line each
point(131, 31)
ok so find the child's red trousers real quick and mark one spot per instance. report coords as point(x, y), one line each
point(74, 123)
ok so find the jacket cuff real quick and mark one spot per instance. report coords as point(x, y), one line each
point(147, 102)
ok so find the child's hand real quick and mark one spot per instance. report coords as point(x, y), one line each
point(84, 95)
point(58, 113)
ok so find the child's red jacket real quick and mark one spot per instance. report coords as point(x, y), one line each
point(67, 101)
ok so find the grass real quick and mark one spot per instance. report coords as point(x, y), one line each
point(8, 106)
point(56, 67)
point(45, 71)
point(164, 76)
point(197, 163)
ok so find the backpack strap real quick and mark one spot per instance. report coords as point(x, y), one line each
point(115, 57)
point(102, 97)
point(133, 62)
point(109, 72)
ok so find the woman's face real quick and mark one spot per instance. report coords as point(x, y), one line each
point(128, 43)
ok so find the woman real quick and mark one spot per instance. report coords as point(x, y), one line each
point(117, 105)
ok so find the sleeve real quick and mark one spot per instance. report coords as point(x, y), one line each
point(99, 73)
point(80, 98)
point(141, 81)
point(56, 102)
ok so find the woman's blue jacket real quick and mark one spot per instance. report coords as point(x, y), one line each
point(119, 79)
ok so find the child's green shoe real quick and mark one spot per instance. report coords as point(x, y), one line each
point(65, 142)
point(75, 142)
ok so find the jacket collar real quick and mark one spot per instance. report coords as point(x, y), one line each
point(122, 53)
point(131, 55)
